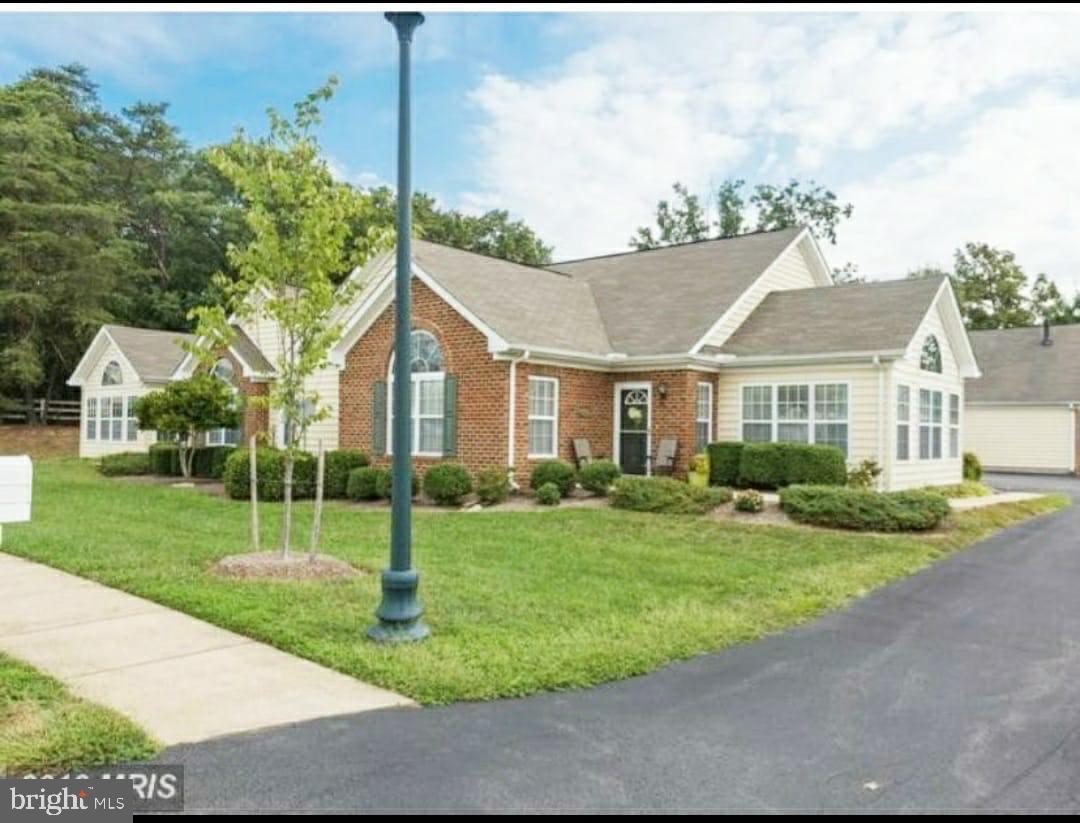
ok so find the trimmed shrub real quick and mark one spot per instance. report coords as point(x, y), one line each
point(384, 484)
point(548, 494)
point(861, 510)
point(749, 501)
point(447, 483)
point(492, 486)
point(598, 475)
point(164, 459)
point(209, 461)
point(724, 459)
point(864, 475)
point(124, 463)
point(558, 472)
point(665, 495)
point(774, 465)
point(973, 469)
point(340, 463)
point(362, 483)
point(271, 475)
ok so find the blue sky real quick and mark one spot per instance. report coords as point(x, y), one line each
point(940, 128)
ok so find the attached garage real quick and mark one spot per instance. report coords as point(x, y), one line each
point(1021, 415)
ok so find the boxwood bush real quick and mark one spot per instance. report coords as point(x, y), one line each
point(124, 463)
point(973, 469)
point(271, 475)
point(492, 486)
point(164, 459)
point(558, 472)
point(339, 464)
point(548, 494)
point(598, 475)
point(724, 459)
point(864, 510)
point(363, 484)
point(775, 465)
point(209, 461)
point(665, 495)
point(384, 484)
point(447, 483)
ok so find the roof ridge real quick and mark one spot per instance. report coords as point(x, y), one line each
point(529, 266)
point(702, 241)
point(895, 281)
point(143, 329)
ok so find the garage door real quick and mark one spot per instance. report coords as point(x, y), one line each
point(1022, 438)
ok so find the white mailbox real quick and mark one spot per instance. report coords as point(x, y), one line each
point(16, 482)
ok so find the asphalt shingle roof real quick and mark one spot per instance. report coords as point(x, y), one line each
point(1017, 368)
point(879, 316)
point(663, 301)
point(152, 353)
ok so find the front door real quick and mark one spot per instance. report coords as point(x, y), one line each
point(632, 437)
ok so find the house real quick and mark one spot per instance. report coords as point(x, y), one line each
point(121, 365)
point(744, 338)
point(1022, 416)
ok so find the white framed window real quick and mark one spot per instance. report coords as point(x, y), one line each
point(793, 414)
point(954, 425)
point(903, 422)
point(797, 413)
point(118, 417)
point(132, 422)
point(91, 418)
point(428, 393)
point(929, 424)
point(113, 374)
point(224, 371)
point(757, 414)
point(105, 418)
point(703, 421)
point(543, 417)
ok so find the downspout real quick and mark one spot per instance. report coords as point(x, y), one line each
point(512, 421)
point(883, 457)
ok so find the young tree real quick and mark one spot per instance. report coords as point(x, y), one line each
point(991, 288)
point(185, 409)
point(299, 221)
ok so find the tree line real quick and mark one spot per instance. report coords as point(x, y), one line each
point(993, 289)
point(115, 217)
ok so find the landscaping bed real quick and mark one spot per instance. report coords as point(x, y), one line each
point(517, 603)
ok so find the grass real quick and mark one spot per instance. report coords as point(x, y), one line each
point(965, 488)
point(43, 728)
point(518, 601)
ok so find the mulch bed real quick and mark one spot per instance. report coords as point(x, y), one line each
point(271, 566)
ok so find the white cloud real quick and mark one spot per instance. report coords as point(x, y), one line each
point(1009, 181)
point(584, 151)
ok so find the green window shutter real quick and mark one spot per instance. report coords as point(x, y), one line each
point(378, 417)
point(450, 386)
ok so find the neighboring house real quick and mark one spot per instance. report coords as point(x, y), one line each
point(120, 366)
point(1022, 416)
point(744, 338)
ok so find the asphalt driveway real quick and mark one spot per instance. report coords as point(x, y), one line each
point(957, 688)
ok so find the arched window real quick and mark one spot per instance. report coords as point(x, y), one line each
point(224, 371)
point(112, 376)
point(930, 359)
point(428, 406)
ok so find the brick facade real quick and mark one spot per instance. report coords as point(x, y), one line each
point(586, 398)
point(255, 419)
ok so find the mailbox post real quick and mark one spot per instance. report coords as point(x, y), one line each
point(16, 483)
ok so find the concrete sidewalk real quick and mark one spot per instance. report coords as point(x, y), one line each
point(181, 679)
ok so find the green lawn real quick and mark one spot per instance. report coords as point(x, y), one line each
point(43, 728)
point(518, 602)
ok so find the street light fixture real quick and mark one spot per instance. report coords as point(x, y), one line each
point(399, 612)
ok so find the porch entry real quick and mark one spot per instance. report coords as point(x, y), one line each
point(633, 410)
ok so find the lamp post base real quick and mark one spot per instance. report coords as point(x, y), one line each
point(399, 612)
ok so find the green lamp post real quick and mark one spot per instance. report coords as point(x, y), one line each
point(399, 612)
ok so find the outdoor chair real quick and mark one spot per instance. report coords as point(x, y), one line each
point(582, 451)
point(664, 462)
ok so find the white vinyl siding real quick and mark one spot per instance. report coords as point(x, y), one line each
point(115, 404)
point(1037, 438)
point(543, 417)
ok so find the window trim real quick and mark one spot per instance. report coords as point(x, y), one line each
point(554, 418)
point(812, 420)
point(710, 414)
point(414, 401)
